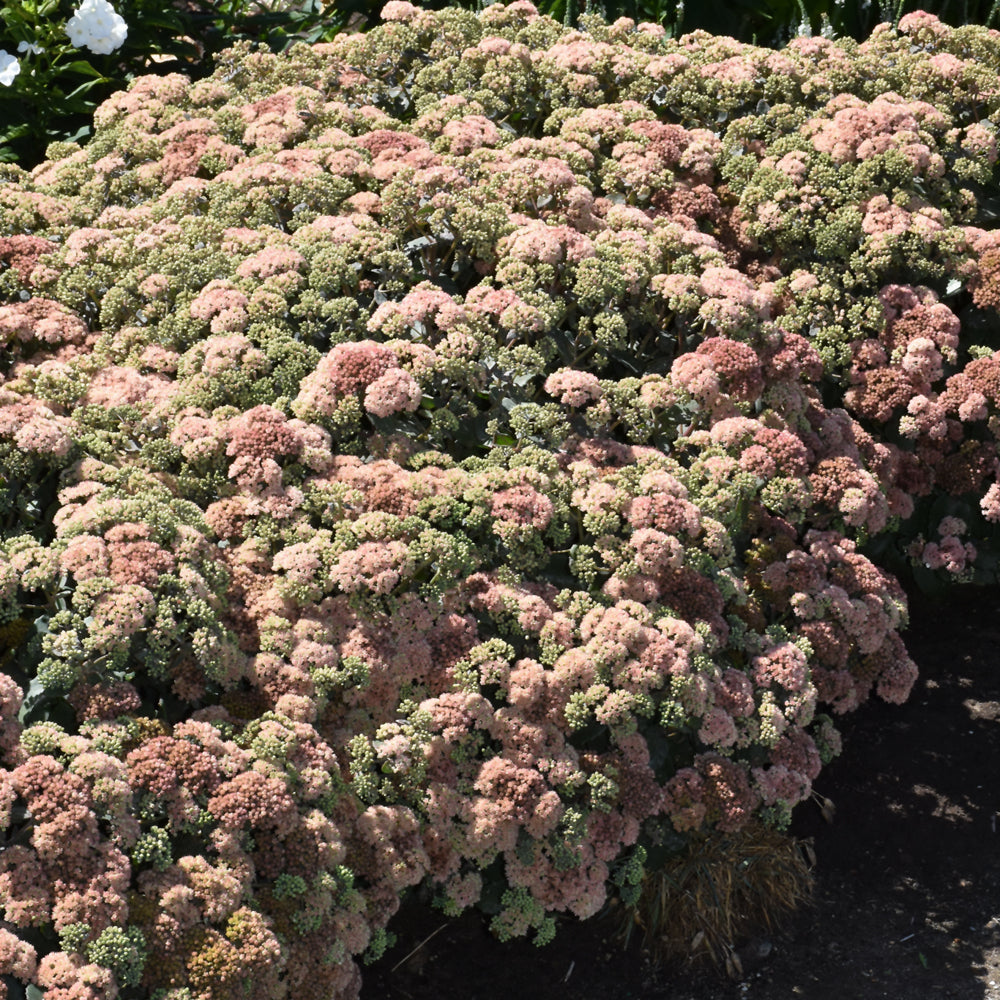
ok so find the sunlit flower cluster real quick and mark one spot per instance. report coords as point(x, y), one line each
point(97, 26)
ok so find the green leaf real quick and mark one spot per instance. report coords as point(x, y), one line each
point(35, 693)
point(83, 68)
point(15, 132)
point(164, 21)
point(83, 132)
point(77, 103)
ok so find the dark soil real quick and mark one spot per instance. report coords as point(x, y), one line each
point(907, 896)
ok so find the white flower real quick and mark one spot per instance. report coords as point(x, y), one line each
point(9, 68)
point(96, 26)
point(30, 47)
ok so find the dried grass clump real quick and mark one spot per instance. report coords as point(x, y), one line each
point(721, 888)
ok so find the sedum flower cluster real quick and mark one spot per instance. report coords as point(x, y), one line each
point(453, 456)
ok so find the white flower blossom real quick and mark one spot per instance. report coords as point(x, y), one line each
point(9, 68)
point(96, 26)
point(30, 47)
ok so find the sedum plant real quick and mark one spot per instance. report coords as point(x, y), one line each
point(466, 456)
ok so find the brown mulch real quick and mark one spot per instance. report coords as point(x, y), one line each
point(907, 898)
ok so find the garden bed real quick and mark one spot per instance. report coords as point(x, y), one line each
point(906, 902)
point(470, 458)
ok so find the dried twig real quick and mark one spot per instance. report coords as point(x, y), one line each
point(407, 957)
